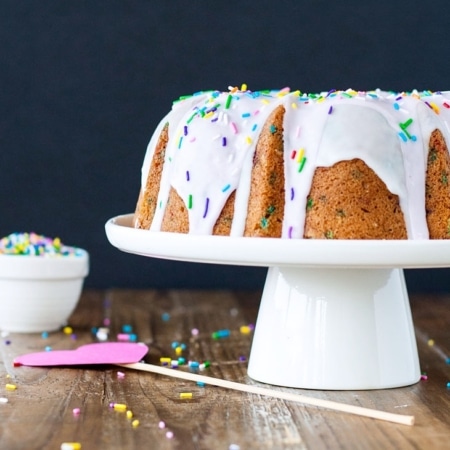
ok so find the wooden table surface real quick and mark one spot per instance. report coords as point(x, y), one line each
point(39, 414)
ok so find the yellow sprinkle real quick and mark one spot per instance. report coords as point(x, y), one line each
point(294, 105)
point(265, 101)
point(435, 107)
point(245, 329)
point(10, 387)
point(431, 342)
point(248, 139)
point(185, 395)
point(120, 407)
point(178, 350)
point(70, 446)
point(300, 155)
point(67, 330)
point(129, 414)
point(165, 360)
point(208, 115)
point(243, 87)
point(135, 423)
point(320, 99)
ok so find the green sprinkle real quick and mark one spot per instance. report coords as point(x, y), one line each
point(302, 164)
point(309, 204)
point(270, 210)
point(273, 129)
point(432, 155)
point(191, 118)
point(329, 234)
point(190, 201)
point(264, 222)
point(444, 178)
point(228, 102)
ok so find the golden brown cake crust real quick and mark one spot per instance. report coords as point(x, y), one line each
point(176, 218)
point(222, 226)
point(146, 204)
point(437, 189)
point(349, 201)
point(266, 201)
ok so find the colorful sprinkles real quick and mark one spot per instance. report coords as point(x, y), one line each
point(33, 244)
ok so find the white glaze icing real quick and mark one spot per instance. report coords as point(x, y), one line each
point(213, 136)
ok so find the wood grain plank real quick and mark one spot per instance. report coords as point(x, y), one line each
point(214, 418)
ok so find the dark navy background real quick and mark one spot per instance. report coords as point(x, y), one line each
point(83, 84)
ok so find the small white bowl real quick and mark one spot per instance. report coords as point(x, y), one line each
point(39, 293)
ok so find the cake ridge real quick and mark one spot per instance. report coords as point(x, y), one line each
point(213, 136)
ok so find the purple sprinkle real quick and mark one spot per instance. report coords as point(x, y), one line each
point(187, 175)
point(206, 207)
point(330, 110)
point(290, 232)
point(292, 193)
point(224, 141)
point(185, 130)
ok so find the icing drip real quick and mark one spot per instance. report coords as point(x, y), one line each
point(213, 136)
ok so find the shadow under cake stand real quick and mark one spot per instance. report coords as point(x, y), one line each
point(334, 314)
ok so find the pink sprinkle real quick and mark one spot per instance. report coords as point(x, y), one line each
point(123, 337)
point(169, 435)
point(161, 425)
point(76, 411)
point(192, 139)
point(234, 127)
point(194, 332)
point(424, 377)
point(120, 375)
point(446, 105)
point(106, 321)
point(293, 153)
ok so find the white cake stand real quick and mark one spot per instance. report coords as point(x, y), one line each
point(333, 314)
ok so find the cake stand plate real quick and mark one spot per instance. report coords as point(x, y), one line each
point(333, 314)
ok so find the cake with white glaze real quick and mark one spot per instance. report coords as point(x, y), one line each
point(280, 163)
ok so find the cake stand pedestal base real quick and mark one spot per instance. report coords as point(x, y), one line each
point(341, 329)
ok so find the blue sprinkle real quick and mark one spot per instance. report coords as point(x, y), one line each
point(403, 136)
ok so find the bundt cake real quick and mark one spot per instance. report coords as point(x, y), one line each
point(280, 163)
